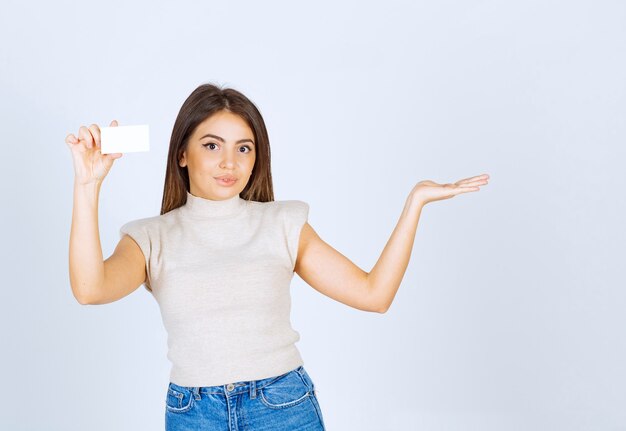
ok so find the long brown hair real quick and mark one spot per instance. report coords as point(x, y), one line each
point(203, 102)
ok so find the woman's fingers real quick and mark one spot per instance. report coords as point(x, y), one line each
point(88, 136)
point(95, 132)
point(476, 178)
point(71, 139)
point(84, 135)
point(427, 191)
point(473, 181)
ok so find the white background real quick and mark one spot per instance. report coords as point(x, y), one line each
point(511, 313)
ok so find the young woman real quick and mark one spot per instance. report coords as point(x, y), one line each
point(219, 260)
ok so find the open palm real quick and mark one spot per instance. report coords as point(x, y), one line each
point(429, 191)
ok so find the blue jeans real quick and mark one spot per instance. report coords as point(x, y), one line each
point(285, 402)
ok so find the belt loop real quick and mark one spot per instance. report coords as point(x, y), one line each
point(196, 392)
point(253, 389)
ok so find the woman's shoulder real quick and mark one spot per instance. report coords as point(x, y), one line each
point(280, 206)
point(290, 213)
point(148, 223)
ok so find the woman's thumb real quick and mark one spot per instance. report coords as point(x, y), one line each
point(114, 123)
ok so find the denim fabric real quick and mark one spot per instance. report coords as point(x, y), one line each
point(285, 402)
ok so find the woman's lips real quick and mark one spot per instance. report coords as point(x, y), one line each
point(225, 183)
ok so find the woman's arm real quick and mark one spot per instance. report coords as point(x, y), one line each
point(385, 278)
point(85, 257)
point(334, 275)
point(86, 264)
point(331, 273)
point(93, 280)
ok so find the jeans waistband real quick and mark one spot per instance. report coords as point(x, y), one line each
point(240, 387)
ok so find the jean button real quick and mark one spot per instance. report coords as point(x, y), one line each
point(230, 387)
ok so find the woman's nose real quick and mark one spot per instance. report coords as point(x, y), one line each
point(228, 159)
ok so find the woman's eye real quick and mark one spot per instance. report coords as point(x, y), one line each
point(214, 144)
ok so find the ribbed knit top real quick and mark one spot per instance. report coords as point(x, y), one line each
point(221, 273)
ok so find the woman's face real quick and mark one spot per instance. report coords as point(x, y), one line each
point(223, 144)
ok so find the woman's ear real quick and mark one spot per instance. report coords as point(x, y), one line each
point(182, 162)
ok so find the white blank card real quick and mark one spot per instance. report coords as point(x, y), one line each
point(124, 139)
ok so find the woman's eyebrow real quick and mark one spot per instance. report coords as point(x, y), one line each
point(219, 138)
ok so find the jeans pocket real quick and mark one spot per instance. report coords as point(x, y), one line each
point(307, 379)
point(179, 398)
point(285, 391)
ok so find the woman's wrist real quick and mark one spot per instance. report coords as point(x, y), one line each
point(89, 190)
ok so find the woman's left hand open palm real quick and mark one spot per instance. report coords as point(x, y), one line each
point(429, 191)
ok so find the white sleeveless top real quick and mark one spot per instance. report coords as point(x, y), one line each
point(221, 273)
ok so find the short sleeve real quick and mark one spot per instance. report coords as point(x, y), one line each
point(138, 231)
point(296, 215)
